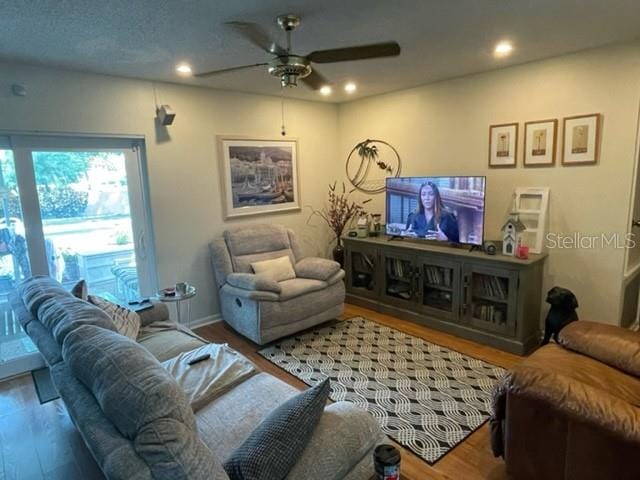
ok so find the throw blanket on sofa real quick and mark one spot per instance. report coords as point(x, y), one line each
point(210, 378)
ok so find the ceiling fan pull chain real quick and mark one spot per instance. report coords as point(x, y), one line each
point(283, 130)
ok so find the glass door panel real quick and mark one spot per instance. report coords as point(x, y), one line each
point(15, 345)
point(362, 277)
point(440, 288)
point(492, 299)
point(86, 220)
point(399, 278)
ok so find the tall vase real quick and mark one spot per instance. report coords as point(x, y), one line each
point(338, 252)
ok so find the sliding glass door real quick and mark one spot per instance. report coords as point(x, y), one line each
point(76, 208)
point(17, 351)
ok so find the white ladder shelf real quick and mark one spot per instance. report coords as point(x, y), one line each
point(531, 205)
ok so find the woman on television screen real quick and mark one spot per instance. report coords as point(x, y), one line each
point(432, 220)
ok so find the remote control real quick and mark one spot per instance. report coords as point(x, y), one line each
point(200, 358)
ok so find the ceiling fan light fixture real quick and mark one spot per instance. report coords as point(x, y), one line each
point(289, 80)
point(350, 87)
point(325, 90)
point(184, 69)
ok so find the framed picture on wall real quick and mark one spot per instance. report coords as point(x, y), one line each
point(540, 143)
point(503, 145)
point(258, 176)
point(581, 138)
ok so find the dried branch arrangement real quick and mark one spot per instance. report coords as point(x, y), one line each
point(339, 210)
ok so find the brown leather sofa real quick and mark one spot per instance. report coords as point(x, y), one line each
point(572, 410)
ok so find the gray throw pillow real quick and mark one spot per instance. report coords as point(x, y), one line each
point(274, 446)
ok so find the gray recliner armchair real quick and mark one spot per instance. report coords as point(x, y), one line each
point(261, 308)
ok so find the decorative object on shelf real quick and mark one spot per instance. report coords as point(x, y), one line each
point(380, 155)
point(503, 145)
point(376, 226)
point(338, 213)
point(362, 226)
point(581, 139)
point(490, 248)
point(522, 252)
point(531, 204)
point(258, 176)
point(540, 143)
point(511, 231)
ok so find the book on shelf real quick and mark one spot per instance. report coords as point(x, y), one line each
point(490, 313)
point(397, 267)
point(491, 286)
point(438, 276)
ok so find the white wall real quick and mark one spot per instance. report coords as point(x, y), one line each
point(438, 129)
point(183, 169)
point(442, 129)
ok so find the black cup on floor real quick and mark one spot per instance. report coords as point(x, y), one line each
point(386, 460)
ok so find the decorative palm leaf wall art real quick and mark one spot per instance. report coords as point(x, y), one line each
point(370, 162)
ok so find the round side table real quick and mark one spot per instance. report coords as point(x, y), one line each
point(178, 299)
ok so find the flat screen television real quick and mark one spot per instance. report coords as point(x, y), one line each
point(447, 209)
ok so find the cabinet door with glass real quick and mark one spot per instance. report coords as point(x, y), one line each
point(490, 298)
point(399, 279)
point(439, 291)
point(361, 263)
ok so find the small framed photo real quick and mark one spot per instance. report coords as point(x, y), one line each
point(540, 143)
point(503, 145)
point(258, 176)
point(581, 139)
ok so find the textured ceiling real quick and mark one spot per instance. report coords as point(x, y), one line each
point(439, 38)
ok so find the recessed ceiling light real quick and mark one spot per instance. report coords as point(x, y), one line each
point(326, 90)
point(350, 87)
point(503, 49)
point(184, 69)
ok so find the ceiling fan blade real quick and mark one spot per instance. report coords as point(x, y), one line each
point(376, 50)
point(225, 70)
point(258, 36)
point(314, 80)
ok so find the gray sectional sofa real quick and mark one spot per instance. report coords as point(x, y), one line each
point(137, 421)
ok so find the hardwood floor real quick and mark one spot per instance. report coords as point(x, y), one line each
point(40, 441)
point(470, 460)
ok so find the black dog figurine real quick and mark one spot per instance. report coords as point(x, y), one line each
point(562, 312)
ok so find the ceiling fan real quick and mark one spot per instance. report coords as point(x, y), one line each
point(290, 67)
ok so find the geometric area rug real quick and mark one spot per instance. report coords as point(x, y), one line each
point(426, 397)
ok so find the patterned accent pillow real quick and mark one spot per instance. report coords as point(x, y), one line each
point(127, 322)
point(80, 291)
point(274, 446)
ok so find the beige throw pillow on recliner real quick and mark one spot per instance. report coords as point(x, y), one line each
point(278, 269)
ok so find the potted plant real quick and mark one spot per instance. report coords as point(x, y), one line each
point(337, 213)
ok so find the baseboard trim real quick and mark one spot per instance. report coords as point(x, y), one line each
point(208, 320)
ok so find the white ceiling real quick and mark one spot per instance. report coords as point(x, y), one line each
point(439, 38)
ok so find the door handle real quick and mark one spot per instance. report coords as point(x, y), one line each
point(635, 223)
point(142, 246)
